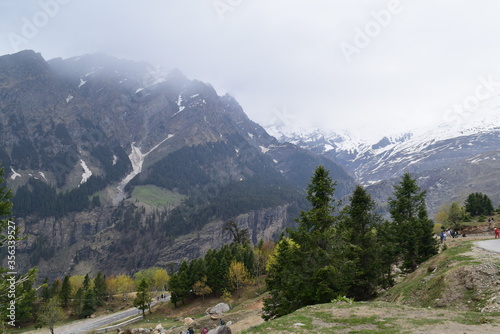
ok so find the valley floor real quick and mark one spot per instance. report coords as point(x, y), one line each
point(466, 270)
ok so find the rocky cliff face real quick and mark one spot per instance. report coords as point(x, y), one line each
point(118, 166)
point(86, 241)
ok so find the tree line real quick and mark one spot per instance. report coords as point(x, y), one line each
point(455, 215)
point(221, 272)
point(80, 296)
point(347, 252)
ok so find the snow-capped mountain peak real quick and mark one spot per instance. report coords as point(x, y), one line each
point(460, 133)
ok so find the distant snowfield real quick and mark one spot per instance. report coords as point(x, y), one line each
point(482, 118)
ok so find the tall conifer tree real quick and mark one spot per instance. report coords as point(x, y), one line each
point(411, 226)
point(65, 292)
point(359, 227)
point(143, 299)
point(315, 271)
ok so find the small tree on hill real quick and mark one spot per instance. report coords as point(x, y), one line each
point(45, 291)
point(65, 292)
point(50, 313)
point(456, 216)
point(100, 291)
point(200, 288)
point(238, 275)
point(160, 279)
point(143, 299)
point(86, 282)
point(88, 304)
point(78, 301)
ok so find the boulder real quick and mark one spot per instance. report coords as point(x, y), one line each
point(224, 330)
point(220, 308)
point(188, 321)
point(220, 330)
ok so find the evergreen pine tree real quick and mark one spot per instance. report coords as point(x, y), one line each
point(55, 288)
point(5, 207)
point(283, 280)
point(358, 227)
point(478, 204)
point(65, 292)
point(411, 226)
point(86, 282)
point(88, 304)
point(317, 270)
point(45, 291)
point(100, 289)
point(143, 299)
point(179, 286)
point(78, 301)
point(26, 297)
point(9, 234)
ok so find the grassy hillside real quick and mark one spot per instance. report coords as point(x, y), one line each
point(454, 291)
point(155, 196)
point(377, 317)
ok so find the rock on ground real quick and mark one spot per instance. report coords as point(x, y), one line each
point(220, 308)
point(220, 330)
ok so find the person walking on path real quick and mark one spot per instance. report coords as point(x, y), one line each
point(497, 233)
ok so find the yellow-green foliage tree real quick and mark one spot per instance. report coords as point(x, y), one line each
point(121, 284)
point(50, 314)
point(200, 288)
point(76, 283)
point(441, 217)
point(456, 216)
point(238, 275)
point(160, 279)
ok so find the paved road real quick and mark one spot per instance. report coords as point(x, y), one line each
point(490, 245)
point(85, 325)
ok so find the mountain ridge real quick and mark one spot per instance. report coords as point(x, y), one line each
point(80, 134)
point(436, 153)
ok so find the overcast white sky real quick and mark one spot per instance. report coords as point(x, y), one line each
point(336, 64)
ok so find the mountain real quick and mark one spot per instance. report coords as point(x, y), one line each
point(452, 159)
point(117, 165)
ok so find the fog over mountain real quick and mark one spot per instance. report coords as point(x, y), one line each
point(368, 66)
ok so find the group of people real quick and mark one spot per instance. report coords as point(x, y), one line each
point(161, 297)
point(452, 233)
point(191, 331)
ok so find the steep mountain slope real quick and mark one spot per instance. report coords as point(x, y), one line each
point(81, 136)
